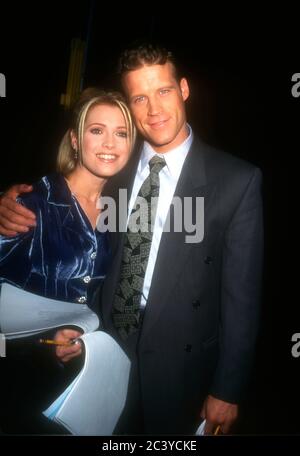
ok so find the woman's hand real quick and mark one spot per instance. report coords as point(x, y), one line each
point(68, 352)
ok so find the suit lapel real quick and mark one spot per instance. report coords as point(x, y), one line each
point(174, 250)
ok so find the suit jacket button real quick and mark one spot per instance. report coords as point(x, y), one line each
point(208, 260)
point(188, 348)
point(196, 303)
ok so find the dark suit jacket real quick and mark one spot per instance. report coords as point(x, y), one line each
point(201, 318)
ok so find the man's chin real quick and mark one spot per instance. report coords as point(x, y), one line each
point(159, 142)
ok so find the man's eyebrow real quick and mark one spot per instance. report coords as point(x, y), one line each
point(167, 87)
point(172, 86)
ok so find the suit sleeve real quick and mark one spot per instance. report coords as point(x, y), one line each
point(241, 286)
point(16, 252)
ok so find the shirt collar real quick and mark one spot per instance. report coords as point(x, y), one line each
point(174, 158)
point(58, 190)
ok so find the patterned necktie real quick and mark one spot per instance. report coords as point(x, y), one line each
point(126, 306)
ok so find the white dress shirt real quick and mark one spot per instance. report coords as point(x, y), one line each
point(168, 178)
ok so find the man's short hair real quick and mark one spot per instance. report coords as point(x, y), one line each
point(145, 54)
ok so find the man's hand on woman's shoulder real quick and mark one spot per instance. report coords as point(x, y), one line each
point(15, 218)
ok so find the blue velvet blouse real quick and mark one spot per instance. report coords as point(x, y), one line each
point(62, 257)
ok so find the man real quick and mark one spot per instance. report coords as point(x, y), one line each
point(191, 337)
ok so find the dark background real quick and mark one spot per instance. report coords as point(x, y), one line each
point(239, 64)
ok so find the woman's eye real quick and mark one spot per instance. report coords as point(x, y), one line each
point(122, 134)
point(96, 131)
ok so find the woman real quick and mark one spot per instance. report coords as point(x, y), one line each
point(64, 256)
point(60, 256)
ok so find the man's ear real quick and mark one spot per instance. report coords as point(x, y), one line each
point(184, 87)
point(73, 140)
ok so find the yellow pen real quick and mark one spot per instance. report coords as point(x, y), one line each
point(54, 342)
point(217, 430)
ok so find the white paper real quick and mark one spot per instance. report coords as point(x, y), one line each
point(200, 430)
point(24, 314)
point(92, 404)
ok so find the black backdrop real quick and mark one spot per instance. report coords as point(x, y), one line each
point(240, 65)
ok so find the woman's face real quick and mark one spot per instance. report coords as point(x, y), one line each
point(106, 146)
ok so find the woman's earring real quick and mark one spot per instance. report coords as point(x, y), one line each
point(75, 151)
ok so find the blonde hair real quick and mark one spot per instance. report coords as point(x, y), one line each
point(67, 158)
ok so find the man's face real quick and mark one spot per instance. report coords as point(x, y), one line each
point(156, 101)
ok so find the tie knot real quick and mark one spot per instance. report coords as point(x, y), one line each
point(156, 164)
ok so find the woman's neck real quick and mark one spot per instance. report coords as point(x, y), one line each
point(85, 185)
point(87, 189)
